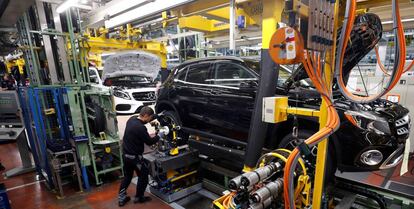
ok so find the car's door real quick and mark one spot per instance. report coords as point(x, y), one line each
point(232, 99)
point(192, 91)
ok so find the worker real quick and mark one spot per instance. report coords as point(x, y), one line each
point(135, 136)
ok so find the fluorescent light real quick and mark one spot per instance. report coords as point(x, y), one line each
point(406, 34)
point(72, 3)
point(403, 20)
point(66, 5)
point(145, 10)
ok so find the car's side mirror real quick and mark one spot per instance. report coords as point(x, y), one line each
point(248, 85)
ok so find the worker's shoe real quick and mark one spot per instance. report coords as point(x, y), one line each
point(142, 199)
point(124, 201)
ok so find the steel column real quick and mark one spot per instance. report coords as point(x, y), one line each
point(232, 31)
point(269, 75)
point(47, 42)
point(61, 46)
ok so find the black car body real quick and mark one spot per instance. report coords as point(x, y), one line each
point(216, 95)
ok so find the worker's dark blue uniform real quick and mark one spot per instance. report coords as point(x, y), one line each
point(136, 135)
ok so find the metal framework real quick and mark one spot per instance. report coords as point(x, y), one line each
point(59, 104)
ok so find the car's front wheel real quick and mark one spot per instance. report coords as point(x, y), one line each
point(290, 142)
point(171, 119)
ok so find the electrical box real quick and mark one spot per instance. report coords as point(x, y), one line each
point(274, 109)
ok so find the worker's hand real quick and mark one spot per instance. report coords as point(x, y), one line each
point(154, 123)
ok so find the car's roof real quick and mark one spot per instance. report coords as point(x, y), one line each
point(211, 59)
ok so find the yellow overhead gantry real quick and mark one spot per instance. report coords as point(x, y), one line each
point(214, 20)
point(96, 42)
point(213, 16)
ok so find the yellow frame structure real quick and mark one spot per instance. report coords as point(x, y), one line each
point(96, 45)
point(16, 62)
point(323, 146)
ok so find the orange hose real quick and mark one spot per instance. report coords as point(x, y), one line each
point(332, 116)
point(382, 67)
point(399, 70)
point(380, 63)
point(400, 33)
point(323, 89)
point(333, 119)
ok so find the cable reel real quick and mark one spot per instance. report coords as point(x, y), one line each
point(286, 46)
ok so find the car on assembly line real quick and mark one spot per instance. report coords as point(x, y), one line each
point(133, 77)
point(216, 95)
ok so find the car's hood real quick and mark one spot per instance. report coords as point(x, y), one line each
point(132, 63)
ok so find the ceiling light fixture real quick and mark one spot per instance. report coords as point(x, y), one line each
point(403, 20)
point(72, 3)
point(66, 5)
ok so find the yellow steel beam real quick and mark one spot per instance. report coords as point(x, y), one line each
point(202, 24)
point(303, 111)
point(280, 108)
point(223, 15)
point(199, 7)
point(271, 15)
point(323, 146)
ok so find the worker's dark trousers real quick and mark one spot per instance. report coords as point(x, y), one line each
point(141, 169)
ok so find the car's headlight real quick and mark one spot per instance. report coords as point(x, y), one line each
point(122, 95)
point(368, 121)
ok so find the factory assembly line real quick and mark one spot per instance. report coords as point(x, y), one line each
point(223, 104)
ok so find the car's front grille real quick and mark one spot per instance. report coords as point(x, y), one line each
point(145, 96)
